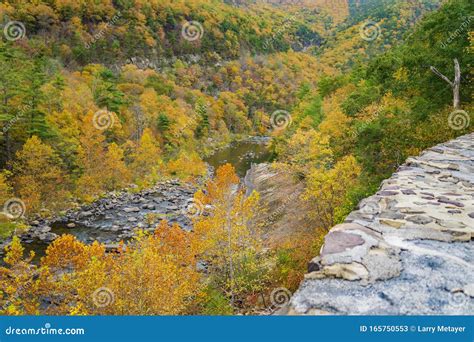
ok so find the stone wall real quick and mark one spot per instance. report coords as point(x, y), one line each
point(408, 249)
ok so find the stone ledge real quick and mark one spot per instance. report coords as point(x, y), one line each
point(407, 249)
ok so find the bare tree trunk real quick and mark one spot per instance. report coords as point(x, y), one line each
point(455, 85)
point(8, 146)
point(139, 123)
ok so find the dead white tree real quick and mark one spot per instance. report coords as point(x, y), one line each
point(455, 85)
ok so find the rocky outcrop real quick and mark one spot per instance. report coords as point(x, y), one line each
point(408, 249)
point(283, 215)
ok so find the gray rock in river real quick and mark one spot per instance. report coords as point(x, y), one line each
point(132, 210)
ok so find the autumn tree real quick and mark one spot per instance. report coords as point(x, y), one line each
point(19, 282)
point(146, 159)
point(38, 178)
point(12, 80)
point(229, 238)
point(327, 190)
point(91, 157)
point(235, 116)
point(304, 150)
point(188, 165)
point(161, 272)
point(63, 265)
point(159, 268)
point(5, 188)
point(118, 174)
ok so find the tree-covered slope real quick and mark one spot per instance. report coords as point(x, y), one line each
point(388, 109)
point(113, 31)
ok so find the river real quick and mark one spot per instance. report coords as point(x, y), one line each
point(242, 154)
point(113, 218)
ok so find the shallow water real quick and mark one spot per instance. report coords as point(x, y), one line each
point(241, 155)
point(82, 232)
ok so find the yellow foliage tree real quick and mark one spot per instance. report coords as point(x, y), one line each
point(146, 159)
point(187, 166)
point(327, 189)
point(91, 156)
point(306, 149)
point(19, 288)
point(39, 181)
point(228, 238)
point(5, 188)
point(117, 175)
point(155, 274)
point(161, 274)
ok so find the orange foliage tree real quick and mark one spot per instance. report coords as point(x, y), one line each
point(155, 274)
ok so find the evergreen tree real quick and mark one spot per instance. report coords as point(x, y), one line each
point(163, 123)
point(203, 127)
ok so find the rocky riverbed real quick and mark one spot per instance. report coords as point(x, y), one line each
point(117, 215)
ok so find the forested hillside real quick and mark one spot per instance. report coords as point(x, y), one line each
point(100, 96)
point(112, 32)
